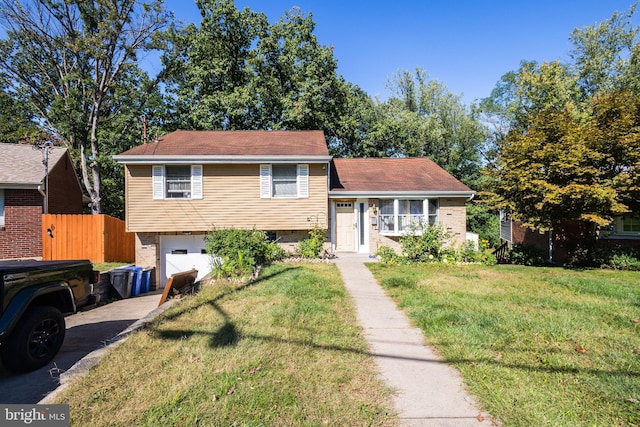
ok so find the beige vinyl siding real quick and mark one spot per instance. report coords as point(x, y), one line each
point(231, 198)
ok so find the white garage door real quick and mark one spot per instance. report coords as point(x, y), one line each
point(182, 253)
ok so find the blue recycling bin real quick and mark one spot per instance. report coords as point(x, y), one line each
point(136, 281)
point(146, 281)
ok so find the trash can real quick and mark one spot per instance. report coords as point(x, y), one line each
point(136, 280)
point(121, 280)
point(146, 280)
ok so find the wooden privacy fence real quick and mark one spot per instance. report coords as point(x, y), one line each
point(100, 238)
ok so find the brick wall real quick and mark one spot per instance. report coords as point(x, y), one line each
point(453, 216)
point(21, 235)
point(148, 252)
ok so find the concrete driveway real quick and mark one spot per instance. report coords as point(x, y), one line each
point(86, 331)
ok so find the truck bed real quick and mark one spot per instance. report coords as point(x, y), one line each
point(23, 266)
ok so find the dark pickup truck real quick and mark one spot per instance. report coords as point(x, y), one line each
point(34, 297)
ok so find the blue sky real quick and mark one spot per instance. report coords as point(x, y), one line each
point(467, 45)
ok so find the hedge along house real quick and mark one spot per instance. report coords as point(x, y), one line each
point(186, 183)
point(374, 201)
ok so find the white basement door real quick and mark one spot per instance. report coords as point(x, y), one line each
point(182, 253)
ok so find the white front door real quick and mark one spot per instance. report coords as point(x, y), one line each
point(345, 227)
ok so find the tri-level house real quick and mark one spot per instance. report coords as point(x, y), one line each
point(187, 183)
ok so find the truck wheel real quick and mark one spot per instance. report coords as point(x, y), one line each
point(35, 341)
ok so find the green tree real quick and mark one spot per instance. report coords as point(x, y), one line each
point(16, 119)
point(132, 117)
point(206, 68)
point(236, 71)
point(349, 137)
point(606, 56)
point(484, 222)
point(296, 77)
point(66, 58)
point(520, 95)
point(566, 167)
point(423, 118)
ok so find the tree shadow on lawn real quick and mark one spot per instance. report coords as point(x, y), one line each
point(177, 313)
point(229, 335)
point(548, 368)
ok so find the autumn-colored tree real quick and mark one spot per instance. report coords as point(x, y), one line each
point(568, 167)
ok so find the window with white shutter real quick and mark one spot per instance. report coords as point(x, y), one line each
point(303, 181)
point(177, 182)
point(196, 181)
point(265, 181)
point(158, 182)
point(284, 180)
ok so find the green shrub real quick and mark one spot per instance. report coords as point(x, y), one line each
point(617, 258)
point(238, 266)
point(240, 250)
point(528, 255)
point(275, 252)
point(482, 254)
point(425, 246)
point(312, 247)
point(484, 222)
point(429, 247)
point(470, 253)
point(489, 258)
point(388, 255)
point(621, 259)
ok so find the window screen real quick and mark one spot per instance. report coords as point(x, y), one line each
point(284, 180)
point(178, 182)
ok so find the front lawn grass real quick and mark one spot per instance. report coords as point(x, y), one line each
point(283, 350)
point(537, 346)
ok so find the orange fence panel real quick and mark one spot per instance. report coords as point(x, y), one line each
point(100, 238)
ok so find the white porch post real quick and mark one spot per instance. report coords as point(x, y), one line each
point(332, 216)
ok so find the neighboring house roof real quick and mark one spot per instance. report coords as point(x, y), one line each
point(379, 177)
point(230, 146)
point(21, 166)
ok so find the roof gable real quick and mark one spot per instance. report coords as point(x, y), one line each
point(396, 175)
point(21, 164)
point(233, 143)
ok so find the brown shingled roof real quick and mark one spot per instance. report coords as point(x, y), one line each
point(391, 175)
point(22, 164)
point(235, 143)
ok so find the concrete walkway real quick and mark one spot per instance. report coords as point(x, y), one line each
point(429, 392)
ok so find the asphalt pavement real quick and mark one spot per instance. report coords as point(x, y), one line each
point(87, 331)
